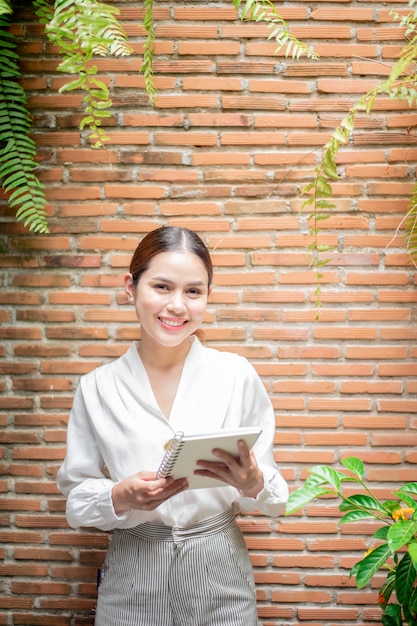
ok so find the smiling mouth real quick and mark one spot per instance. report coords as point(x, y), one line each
point(172, 323)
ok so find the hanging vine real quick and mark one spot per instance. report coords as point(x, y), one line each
point(17, 149)
point(400, 84)
point(81, 30)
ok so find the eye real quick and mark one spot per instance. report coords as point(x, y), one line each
point(161, 287)
point(194, 291)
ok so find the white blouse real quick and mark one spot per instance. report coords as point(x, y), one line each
point(116, 429)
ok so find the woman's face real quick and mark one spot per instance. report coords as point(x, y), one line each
point(170, 297)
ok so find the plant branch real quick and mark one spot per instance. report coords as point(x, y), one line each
point(18, 151)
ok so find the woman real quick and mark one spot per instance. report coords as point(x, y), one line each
point(177, 556)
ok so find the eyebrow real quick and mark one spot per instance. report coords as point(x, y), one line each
point(171, 282)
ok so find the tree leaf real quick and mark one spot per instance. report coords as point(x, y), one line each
point(405, 578)
point(392, 616)
point(302, 496)
point(327, 475)
point(362, 501)
point(410, 488)
point(404, 497)
point(412, 550)
point(355, 516)
point(381, 533)
point(371, 564)
point(400, 533)
point(354, 465)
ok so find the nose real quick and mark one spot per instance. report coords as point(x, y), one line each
point(176, 302)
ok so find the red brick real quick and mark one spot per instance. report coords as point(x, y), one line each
point(24, 619)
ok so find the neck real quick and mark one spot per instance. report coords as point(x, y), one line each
point(157, 357)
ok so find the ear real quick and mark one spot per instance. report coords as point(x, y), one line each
point(129, 287)
point(210, 289)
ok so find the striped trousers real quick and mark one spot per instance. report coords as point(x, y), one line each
point(162, 576)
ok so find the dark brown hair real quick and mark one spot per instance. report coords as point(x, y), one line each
point(168, 239)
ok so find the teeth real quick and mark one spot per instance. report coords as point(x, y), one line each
point(171, 322)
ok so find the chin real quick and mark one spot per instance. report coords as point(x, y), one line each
point(172, 341)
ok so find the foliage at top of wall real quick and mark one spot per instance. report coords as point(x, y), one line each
point(83, 30)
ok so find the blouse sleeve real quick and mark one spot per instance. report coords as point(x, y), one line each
point(82, 476)
point(258, 410)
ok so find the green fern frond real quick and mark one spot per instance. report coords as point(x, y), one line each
point(44, 10)
point(265, 11)
point(410, 226)
point(82, 29)
point(5, 7)
point(148, 52)
point(17, 156)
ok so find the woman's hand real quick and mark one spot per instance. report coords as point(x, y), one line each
point(241, 472)
point(142, 491)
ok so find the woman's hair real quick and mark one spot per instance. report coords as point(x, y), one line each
point(168, 239)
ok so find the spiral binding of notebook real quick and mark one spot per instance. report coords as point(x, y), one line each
point(170, 456)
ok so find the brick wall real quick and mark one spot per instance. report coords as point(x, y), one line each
point(233, 139)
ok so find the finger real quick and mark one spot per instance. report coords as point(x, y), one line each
point(214, 466)
point(171, 488)
point(151, 500)
point(153, 488)
point(242, 456)
point(209, 474)
point(226, 458)
point(177, 486)
point(244, 452)
point(219, 471)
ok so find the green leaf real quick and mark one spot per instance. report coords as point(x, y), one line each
point(326, 474)
point(313, 480)
point(405, 578)
point(371, 564)
point(400, 533)
point(325, 204)
point(5, 7)
point(412, 550)
point(302, 496)
point(329, 166)
point(410, 609)
point(355, 516)
point(381, 533)
point(361, 502)
point(392, 616)
point(408, 500)
point(319, 217)
point(391, 506)
point(348, 123)
point(354, 465)
point(78, 83)
point(309, 187)
point(341, 135)
point(410, 488)
point(323, 186)
point(101, 114)
point(387, 588)
point(324, 248)
point(99, 106)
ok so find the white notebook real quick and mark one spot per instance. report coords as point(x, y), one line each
point(183, 452)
